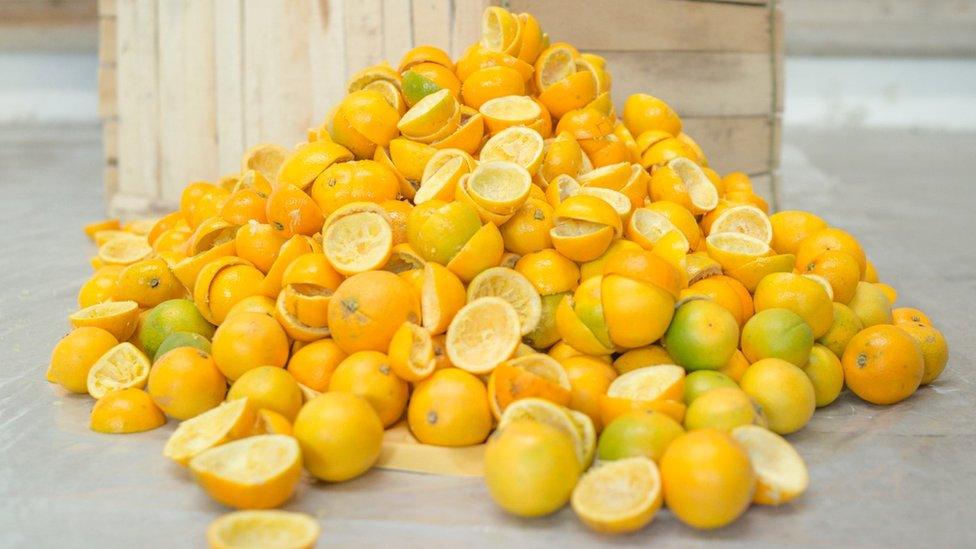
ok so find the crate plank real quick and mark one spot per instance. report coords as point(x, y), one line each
point(432, 23)
point(110, 141)
point(398, 28)
point(138, 106)
point(110, 180)
point(733, 143)
point(106, 40)
point(106, 8)
point(777, 53)
point(364, 29)
point(466, 29)
point(276, 72)
point(187, 98)
point(108, 97)
point(327, 43)
point(696, 83)
point(228, 84)
point(671, 25)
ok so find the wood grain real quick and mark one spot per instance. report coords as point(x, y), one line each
point(228, 84)
point(187, 99)
point(733, 143)
point(138, 106)
point(672, 25)
point(432, 23)
point(398, 29)
point(696, 83)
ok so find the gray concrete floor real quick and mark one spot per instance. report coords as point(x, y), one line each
point(881, 476)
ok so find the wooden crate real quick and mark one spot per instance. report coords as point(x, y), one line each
point(188, 85)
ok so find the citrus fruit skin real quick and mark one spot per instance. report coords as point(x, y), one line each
point(450, 408)
point(790, 227)
point(777, 333)
point(185, 382)
point(249, 340)
point(269, 388)
point(530, 468)
point(840, 269)
point(781, 474)
point(784, 392)
point(313, 364)
point(871, 305)
point(174, 315)
point(845, 326)
point(340, 436)
point(935, 350)
point(708, 479)
point(619, 497)
point(799, 294)
point(268, 477)
point(826, 374)
point(262, 529)
point(368, 308)
point(148, 282)
point(703, 335)
point(723, 408)
point(126, 411)
point(369, 375)
point(910, 314)
point(702, 381)
point(883, 364)
point(589, 379)
point(182, 339)
point(76, 353)
point(641, 357)
point(546, 334)
point(634, 434)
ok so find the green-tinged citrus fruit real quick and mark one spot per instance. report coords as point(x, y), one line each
point(777, 333)
point(175, 315)
point(182, 339)
point(638, 434)
point(703, 335)
point(703, 381)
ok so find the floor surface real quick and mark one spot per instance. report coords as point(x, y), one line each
point(881, 476)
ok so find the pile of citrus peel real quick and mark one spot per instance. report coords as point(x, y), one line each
point(483, 249)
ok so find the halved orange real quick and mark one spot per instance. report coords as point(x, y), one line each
point(357, 237)
point(483, 334)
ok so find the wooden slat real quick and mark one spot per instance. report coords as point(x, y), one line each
point(187, 98)
point(110, 141)
point(882, 27)
point(327, 44)
point(276, 72)
point(750, 2)
point(467, 24)
point(108, 97)
point(364, 28)
point(138, 106)
point(734, 143)
point(106, 40)
point(110, 180)
point(432, 23)
point(47, 12)
point(672, 25)
point(398, 29)
point(107, 8)
point(777, 53)
point(228, 84)
point(696, 84)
